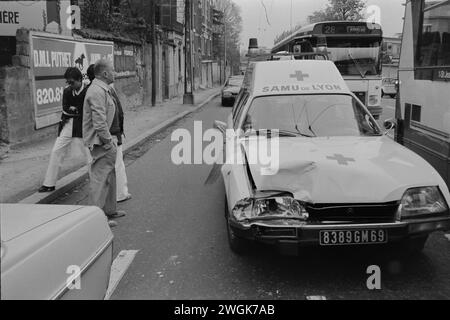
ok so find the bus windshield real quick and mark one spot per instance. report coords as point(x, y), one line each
point(354, 56)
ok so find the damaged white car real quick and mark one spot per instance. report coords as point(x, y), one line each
point(338, 179)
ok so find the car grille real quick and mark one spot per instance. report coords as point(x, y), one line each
point(361, 96)
point(354, 213)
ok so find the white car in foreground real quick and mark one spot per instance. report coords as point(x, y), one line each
point(54, 252)
point(340, 180)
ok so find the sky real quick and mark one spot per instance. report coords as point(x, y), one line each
point(256, 25)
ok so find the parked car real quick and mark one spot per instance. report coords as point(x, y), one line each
point(389, 83)
point(231, 90)
point(335, 178)
point(54, 252)
point(389, 87)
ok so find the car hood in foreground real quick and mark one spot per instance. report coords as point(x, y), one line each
point(346, 170)
point(17, 219)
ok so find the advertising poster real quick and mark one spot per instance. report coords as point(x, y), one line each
point(50, 58)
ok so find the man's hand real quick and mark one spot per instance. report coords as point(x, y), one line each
point(108, 145)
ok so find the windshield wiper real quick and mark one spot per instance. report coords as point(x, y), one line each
point(281, 133)
point(302, 134)
point(361, 72)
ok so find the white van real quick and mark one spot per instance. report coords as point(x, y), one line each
point(338, 179)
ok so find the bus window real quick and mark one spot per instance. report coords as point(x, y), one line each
point(433, 41)
point(355, 56)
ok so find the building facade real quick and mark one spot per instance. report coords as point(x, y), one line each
point(119, 30)
point(391, 49)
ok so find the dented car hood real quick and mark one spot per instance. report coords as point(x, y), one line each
point(345, 170)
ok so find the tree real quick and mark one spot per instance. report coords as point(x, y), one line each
point(232, 20)
point(340, 10)
point(286, 33)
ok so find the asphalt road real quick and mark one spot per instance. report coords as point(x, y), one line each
point(388, 110)
point(177, 224)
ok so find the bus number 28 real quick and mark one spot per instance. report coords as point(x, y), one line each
point(50, 95)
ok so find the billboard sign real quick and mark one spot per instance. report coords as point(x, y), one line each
point(50, 57)
point(49, 16)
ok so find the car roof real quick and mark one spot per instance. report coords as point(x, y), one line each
point(294, 77)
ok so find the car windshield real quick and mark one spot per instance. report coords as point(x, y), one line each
point(310, 116)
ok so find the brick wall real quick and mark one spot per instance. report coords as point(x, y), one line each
point(17, 114)
point(17, 123)
point(130, 91)
point(130, 88)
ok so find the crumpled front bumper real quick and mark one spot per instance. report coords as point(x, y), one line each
point(304, 234)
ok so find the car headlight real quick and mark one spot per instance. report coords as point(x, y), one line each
point(422, 201)
point(227, 94)
point(269, 208)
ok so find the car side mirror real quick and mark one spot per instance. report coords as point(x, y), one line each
point(221, 126)
point(389, 124)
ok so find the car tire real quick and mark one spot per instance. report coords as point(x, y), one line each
point(414, 246)
point(223, 102)
point(382, 93)
point(237, 245)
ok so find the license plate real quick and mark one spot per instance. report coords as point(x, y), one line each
point(352, 237)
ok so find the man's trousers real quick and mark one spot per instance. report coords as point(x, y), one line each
point(60, 149)
point(102, 175)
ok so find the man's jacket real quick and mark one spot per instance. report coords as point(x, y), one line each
point(121, 114)
point(72, 99)
point(98, 114)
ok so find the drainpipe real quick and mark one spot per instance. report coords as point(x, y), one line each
point(153, 25)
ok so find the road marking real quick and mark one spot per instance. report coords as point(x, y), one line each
point(316, 298)
point(119, 266)
point(448, 236)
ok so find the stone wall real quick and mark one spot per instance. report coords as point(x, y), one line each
point(17, 123)
point(16, 108)
point(130, 88)
point(17, 114)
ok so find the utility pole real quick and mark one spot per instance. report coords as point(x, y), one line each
point(153, 26)
point(225, 48)
point(188, 97)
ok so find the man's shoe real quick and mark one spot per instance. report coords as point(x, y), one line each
point(112, 223)
point(44, 189)
point(117, 214)
point(128, 197)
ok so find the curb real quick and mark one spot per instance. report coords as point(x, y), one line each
point(70, 181)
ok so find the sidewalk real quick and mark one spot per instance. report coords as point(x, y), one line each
point(22, 170)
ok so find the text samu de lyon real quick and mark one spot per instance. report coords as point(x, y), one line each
point(52, 59)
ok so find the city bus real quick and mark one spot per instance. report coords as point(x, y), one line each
point(423, 103)
point(355, 48)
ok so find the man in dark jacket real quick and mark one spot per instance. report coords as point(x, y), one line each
point(70, 127)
